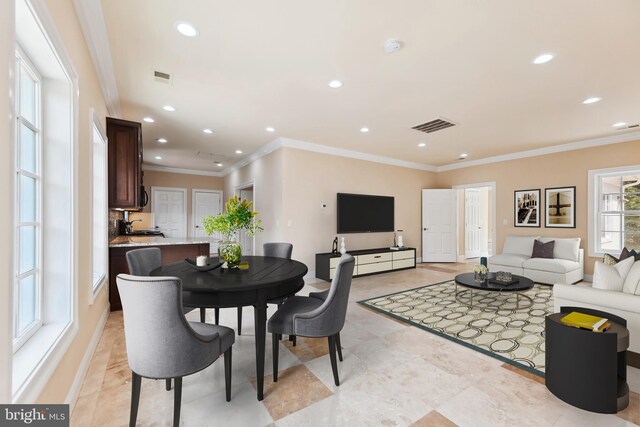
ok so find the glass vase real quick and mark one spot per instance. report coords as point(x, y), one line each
point(231, 253)
point(480, 276)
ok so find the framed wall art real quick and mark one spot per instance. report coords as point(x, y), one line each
point(526, 208)
point(560, 203)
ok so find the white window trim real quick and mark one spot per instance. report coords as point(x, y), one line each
point(22, 57)
point(33, 378)
point(594, 200)
point(95, 123)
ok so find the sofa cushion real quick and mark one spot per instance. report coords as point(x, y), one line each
point(519, 245)
point(566, 248)
point(509, 260)
point(556, 265)
point(632, 281)
point(611, 277)
point(542, 250)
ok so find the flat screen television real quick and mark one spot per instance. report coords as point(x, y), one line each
point(361, 213)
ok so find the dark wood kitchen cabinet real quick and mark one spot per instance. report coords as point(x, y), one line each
point(125, 164)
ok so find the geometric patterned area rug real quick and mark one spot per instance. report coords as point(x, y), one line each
point(493, 326)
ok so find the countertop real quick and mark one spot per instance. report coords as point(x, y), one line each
point(131, 241)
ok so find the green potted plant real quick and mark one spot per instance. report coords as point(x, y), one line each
point(238, 216)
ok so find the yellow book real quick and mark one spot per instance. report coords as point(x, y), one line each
point(586, 321)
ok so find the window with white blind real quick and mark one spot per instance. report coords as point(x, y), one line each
point(100, 225)
point(28, 278)
point(614, 209)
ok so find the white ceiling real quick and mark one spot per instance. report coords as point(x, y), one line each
point(267, 63)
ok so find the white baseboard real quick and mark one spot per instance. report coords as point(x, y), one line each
point(588, 278)
point(81, 373)
point(461, 258)
point(418, 260)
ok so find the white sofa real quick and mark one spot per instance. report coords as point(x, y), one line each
point(566, 266)
point(621, 298)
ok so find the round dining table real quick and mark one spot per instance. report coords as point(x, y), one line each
point(266, 279)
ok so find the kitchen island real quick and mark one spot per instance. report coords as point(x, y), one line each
point(172, 249)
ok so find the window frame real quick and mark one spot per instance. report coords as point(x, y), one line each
point(24, 63)
point(595, 210)
point(97, 286)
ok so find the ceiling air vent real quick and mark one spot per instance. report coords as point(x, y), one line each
point(434, 126)
point(162, 77)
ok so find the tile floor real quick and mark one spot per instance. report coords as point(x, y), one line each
point(392, 374)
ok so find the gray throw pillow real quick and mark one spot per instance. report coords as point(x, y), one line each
point(543, 250)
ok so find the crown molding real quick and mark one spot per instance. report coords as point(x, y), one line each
point(588, 143)
point(152, 168)
point(269, 148)
point(91, 20)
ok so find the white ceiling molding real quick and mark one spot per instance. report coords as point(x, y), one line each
point(588, 143)
point(152, 168)
point(95, 34)
point(324, 149)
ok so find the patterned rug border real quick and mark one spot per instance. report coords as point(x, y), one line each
point(365, 304)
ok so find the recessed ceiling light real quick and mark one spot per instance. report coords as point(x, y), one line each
point(162, 140)
point(148, 120)
point(364, 130)
point(422, 144)
point(186, 29)
point(543, 59)
point(238, 151)
point(218, 163)
point(335, 84)
point(207, 130)
point(168, 108)
point(592, 100)
point(619, 124)
point(464, 155)
point(270, 129)
point(158, 158)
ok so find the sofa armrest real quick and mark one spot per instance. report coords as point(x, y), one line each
point(597, 297)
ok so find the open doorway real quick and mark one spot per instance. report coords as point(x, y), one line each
point(476, 220)
point(247, 242)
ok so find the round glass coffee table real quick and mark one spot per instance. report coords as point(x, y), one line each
point(467, 280)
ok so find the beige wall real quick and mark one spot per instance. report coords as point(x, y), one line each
point(64, 18)
point(311, 179)
point(178, 180)
point(266, 174)
point(7, 52)
point(553, 170)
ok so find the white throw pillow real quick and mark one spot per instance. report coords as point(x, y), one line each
point(566, 248)
point(520, 245)
point(611, 277)
point(632, 282)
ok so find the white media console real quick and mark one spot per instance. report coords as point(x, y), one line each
point(368, 261)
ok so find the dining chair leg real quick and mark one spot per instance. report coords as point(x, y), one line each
point(334, 362)
point(203, 314)
point(293, 340)
point(217, 316)
point(275, 342)
point(177, 401)
point(227, 373)
point(339, 346)
point(135, 398)
point(168, 384)
point(239, 320)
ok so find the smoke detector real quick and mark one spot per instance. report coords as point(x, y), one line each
point(392, 45)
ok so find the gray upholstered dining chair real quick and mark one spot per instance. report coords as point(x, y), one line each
point(161, 343)
point(276, 250)
point(315, 317)
point(142, 261)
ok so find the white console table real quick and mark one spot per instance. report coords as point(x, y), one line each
point(367, 261)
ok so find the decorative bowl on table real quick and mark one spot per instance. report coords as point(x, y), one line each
point(212, 264)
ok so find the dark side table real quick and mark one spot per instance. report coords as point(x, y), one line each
point(587, 369)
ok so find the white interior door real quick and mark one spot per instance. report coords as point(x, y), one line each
point(170, 210)
point(206, 202)
point(472, 223)
point(246, 241)
point(439, 234)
